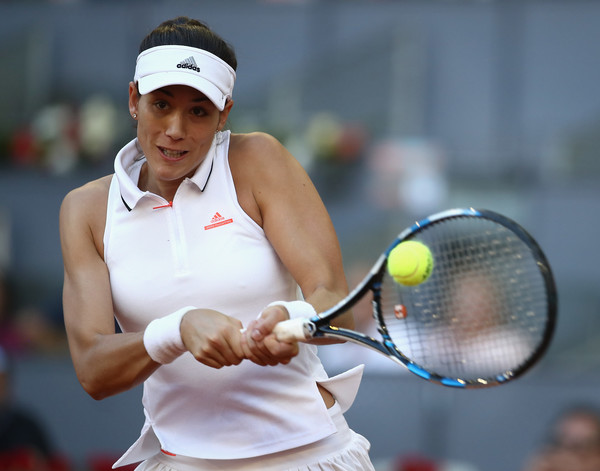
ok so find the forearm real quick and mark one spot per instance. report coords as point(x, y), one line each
point(324, 298)
point(112, 363)
point(106, 362)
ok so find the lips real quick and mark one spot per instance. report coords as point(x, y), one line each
point(172, 154)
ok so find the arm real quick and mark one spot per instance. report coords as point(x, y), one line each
point(105, 363)
point(277, 193)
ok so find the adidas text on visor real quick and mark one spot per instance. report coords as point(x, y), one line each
point(162, 66)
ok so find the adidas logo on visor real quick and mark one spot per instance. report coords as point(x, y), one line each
point(188, 63)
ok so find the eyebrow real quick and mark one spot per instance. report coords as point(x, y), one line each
point(168, 93)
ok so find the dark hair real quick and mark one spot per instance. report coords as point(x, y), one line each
point(184, 31)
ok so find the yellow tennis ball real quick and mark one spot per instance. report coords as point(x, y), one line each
point(410, 263)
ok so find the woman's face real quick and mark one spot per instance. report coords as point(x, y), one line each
point(176, 127)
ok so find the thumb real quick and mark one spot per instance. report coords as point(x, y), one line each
point(267, 321)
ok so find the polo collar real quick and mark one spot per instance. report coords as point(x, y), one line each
point(128, 165)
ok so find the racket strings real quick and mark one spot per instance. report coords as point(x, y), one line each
point(482, 312)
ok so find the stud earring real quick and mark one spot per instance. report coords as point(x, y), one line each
point(134, 115)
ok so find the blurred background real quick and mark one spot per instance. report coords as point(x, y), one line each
point(397, 109)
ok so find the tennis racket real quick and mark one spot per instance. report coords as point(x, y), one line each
point(485, 315)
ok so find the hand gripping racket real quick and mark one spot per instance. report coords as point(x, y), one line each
point(484, 316)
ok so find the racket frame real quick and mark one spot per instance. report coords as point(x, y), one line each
point(318, 325)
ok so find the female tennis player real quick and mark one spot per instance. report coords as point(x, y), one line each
point(198, 244)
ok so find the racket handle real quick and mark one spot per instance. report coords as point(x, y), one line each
point(298, 329)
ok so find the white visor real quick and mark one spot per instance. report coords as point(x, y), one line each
point(162, 66)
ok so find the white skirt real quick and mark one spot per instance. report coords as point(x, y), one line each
point(345, 450)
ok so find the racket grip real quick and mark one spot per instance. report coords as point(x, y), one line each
point(298, 329)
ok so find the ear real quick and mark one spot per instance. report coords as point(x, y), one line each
point(134, 99)
point(223, 115)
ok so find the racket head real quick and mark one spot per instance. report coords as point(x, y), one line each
point(486, 314)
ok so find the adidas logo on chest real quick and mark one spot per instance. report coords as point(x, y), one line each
point(217, 221)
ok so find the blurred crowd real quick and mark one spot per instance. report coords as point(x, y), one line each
point(26, 443)
point(62, 136)
point(27, 329)
point(572, 442)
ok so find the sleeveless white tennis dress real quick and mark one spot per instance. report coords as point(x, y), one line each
point(203, 250)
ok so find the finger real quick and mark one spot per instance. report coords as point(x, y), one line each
point(267, 321)
point(256, 352)
point(255, 338)
point(248, 354)
point(235, 353)
point(280, 352)
point(211, 363)
point(280, 349)
point(220, 350)
point(227, 345)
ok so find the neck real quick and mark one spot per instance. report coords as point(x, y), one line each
point(165, 189)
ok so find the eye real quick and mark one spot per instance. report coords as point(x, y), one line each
point(198, 111)
point(161, 105)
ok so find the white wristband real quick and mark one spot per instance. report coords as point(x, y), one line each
point(296, 309)
point(162, 337)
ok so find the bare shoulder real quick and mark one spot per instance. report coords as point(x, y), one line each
point(262, 156)
point(84, 209)
point(258, 147)
point(254, 141)
point(261, 168)
point(88, 196)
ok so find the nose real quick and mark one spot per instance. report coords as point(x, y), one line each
point(175, 126)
